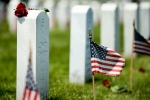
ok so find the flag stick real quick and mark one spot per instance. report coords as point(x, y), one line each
point(93, 86)
point(90, 37)
point(131, 63)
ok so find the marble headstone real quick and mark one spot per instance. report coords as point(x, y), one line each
point(62, 14)
point(110, 26)
point(50, 4)
point(145, 19)
point(33, 31)
point(80, 56)
point(96, 7)
point(131, 13)
point(12, 20)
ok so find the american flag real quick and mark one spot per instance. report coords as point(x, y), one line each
point(30, 91)
point(105, 60)
point(141, 45)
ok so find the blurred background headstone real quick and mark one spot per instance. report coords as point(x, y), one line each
point(12, 20)
point(110, 26)
point(51, 5)
point(96, 7)
point(131, 13)
point(62, 13)
point(145, 19)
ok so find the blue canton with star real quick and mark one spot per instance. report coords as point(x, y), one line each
point(138, 36)
point(98, 51)
point(30, 84)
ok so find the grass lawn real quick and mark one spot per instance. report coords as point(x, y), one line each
point(59, 86)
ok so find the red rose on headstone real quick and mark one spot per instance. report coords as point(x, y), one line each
point(21, 10)
point(20, 5)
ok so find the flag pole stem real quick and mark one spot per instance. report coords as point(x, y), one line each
point(90, 37)
point(131, 62)
point(93, 86)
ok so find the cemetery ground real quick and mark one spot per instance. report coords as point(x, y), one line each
point(59, 86)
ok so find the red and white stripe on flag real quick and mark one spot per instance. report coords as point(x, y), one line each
point(30, 95)
point(111, 66)
point(142, 47)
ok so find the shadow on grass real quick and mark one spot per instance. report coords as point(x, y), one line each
point(2, 92)
point(90, 80)
point(55, 98)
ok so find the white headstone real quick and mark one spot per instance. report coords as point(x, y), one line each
point(63, 13)
point(131, 12)
point(50, 4)
point(12, 21)
point(80, 56)
point(145, 19)
point(110, 26)
point(95, 5)
point(33, 30)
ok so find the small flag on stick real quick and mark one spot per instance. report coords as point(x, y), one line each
point(31, 90)
point(105, 60)
point(141, 45)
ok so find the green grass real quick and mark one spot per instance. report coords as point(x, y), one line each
point(59, 86)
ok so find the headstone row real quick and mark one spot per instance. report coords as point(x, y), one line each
point(59, 11)
point(110, 35)
point(33, 31)
point(81, 21)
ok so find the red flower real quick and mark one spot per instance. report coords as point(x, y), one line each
point(142, 70)
point(21, 5)
point(106, 83)
point(21, 10)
